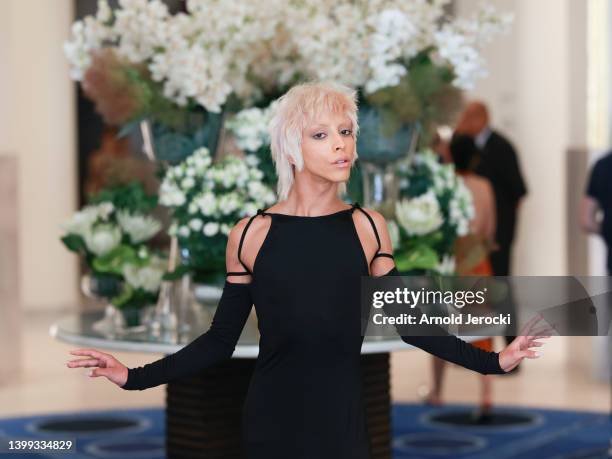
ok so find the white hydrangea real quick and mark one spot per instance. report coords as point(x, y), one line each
point(139, 227)
point(459, 43)
point(196, 224)
point(421, 215)
point(87, 35)
point(220, 47)
point(250, 129)
point(210, 229)
point(142, 28)
point(171, 195)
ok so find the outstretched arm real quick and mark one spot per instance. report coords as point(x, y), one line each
point(213, 346)
point(449, 347)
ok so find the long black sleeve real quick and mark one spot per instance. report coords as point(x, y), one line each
point(448, 347)
point(215, 345)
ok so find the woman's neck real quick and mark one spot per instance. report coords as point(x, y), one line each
point(311, 202)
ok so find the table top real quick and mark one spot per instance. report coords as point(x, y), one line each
point(88, 329)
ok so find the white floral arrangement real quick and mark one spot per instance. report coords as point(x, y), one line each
point(113, 242)
point(434, 209)
point(206, 200)
point(218, 48)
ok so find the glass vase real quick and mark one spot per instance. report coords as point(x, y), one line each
point(173, 143)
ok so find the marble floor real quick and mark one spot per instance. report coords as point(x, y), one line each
point(562, 378)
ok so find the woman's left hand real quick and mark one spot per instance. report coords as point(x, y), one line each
point(519, 349)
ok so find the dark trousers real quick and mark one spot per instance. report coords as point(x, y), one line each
point(500, 263)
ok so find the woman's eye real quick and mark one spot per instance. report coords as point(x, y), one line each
point(346, 131)
point(319, 135)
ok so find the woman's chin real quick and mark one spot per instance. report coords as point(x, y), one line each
point(340, 176)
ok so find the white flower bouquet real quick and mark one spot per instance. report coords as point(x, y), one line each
point(249, 128)
point(206, 200)
point(112, 233)
point(216, 48)
point(435, 207)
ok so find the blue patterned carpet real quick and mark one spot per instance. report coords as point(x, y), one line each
point(419, 433)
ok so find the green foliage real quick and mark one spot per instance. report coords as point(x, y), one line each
point(425, 95)
point(131, 197)
point(113, 261)
point(74, 243)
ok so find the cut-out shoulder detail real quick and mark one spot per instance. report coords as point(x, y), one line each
point(376, 225)
point(247, 235)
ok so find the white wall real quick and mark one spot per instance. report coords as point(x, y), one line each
point(536, 92)
point(37, 126)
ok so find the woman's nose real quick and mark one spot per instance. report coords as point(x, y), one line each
point(339, 143)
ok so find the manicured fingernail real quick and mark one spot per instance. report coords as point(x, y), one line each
point(90, 373)
point(538, 354)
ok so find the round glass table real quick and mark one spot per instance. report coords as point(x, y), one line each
point(203, 412)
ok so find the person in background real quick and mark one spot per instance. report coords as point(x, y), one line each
point(598, 200)
point(471, 254)
point(500, 164)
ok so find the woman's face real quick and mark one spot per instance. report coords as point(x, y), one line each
point(328, 147)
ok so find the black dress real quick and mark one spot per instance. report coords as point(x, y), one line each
point(305, 397)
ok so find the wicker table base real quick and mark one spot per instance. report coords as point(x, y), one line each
point(203, 413)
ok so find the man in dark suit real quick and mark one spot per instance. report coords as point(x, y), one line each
point(499, 163)
point(598, 199)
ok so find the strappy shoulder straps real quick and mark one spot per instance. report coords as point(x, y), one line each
point(244, 231)
point(371, 220)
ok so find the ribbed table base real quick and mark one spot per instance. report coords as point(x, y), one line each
point(203, 413)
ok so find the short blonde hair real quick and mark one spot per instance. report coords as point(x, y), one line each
point(301, 104)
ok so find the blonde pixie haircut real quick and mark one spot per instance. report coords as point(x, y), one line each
point(298, 107)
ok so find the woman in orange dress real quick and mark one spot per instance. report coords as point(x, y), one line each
point(472, 250)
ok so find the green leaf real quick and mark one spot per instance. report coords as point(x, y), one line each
point(114, 260)
point(124, 297)
point(74, 243)
point(420, 257)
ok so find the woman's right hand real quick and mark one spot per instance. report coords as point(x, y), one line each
point(104, 365)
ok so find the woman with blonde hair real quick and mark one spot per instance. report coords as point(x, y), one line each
point(300, 263)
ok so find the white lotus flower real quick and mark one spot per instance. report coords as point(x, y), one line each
point(146, 277)
point(82, 221)
point(103, 238)
point(420, 215)
point(139, 227)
